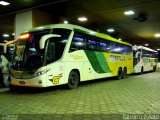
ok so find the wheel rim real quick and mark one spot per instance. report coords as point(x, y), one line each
point(73, 80)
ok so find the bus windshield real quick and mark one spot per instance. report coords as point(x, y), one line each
point(136, 55)
point(28, 54)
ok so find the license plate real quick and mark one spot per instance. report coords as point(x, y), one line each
point(21, 82)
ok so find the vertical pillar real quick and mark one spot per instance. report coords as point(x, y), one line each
point(23, 22)
point(31, 18)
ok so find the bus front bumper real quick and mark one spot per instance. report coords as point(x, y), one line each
point(34, 82)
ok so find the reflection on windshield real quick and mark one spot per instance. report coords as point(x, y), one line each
point(29, 56)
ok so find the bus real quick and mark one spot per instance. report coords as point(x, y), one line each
point(6, 51)
point(145, 59)
point(59, 54)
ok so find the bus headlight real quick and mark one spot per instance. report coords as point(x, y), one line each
point(36, 74)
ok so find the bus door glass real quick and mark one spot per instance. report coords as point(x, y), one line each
point(137, 56)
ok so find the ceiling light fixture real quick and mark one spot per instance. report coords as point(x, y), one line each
point(4, 3)
point(157, 35)
point(110, 30)
point(65, 22)
point(142, 17)
point(119, 39)
point(5, 35)
point(82, 19)
point(146, 44)
point(129, 12)
point(5, 41)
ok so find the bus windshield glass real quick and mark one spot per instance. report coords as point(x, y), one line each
point(28, 55)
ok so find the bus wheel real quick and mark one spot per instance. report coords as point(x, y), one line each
point(119, 76)
point(124, 73)
point(16, 88)
point(1, 79)
point(12, 88)
point(154, 68)
point(142, 70)
point(73, 80)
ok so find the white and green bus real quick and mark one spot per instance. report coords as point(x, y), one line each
point(6, 51)
point(145, 59)
point(68, 54)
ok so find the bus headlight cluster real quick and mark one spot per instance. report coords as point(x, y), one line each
point(36, 74)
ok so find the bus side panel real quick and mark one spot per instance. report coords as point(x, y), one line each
point(146, 63)
point(55, 75)
point(118, 60)
point(78, 60)
point(99, 64)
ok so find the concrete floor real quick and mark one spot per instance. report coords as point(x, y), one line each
point(101, 99)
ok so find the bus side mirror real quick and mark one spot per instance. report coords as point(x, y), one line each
point(7, 44)
point(45, 38)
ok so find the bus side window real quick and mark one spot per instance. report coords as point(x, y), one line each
point(78, 42)
point(113, 47)
point(103, 46)
point(92, 43)
point(127, 49)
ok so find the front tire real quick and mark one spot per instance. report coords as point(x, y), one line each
point(1, 79)
point(142, 71)
point(13, 88)
point(73, 80)
point(154, 68)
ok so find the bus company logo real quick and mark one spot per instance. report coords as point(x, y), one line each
point(56, 79)
point(77, 57)
point(116, 58)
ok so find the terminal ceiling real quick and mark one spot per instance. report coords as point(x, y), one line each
point(139, 28)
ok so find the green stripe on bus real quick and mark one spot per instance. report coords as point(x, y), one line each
point(97, 61)
point(102, 60)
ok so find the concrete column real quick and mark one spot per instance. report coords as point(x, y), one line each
point(23, 22)
point(31, 18)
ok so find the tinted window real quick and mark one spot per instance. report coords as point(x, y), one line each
point(98, 44)
point(56, 45)
point(103, 46)
point(151, 54)
point(78, 42)
point(92, 43)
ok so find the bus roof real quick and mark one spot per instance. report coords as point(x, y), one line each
point(135, 47)
point(78, 28)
